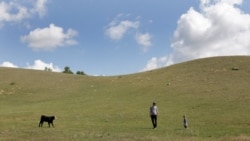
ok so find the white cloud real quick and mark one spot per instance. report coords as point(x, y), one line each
point(144, 40)
point(40, 7)
point(116, 30)
point(219, 28)
point(8, 64)
point(155, 63)
point(40, 65)
point(49, 38)
point(8, 16)
point(16, 11)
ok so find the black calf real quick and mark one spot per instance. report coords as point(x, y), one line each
point(48, 119)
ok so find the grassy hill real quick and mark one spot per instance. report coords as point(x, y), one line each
point(212, 92)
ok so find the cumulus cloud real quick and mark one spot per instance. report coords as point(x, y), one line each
point(116, 30)
point(16, 11)
point(8, 64)
point(49, 38)
point(37, 65)
point(218, 28)
point(40, 7)
point(8, 16)
point(40, 65)
point(155, 63)
point(144, 40)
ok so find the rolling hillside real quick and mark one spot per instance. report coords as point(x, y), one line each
point(212, 92)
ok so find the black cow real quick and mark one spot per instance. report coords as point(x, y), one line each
point(48, 119)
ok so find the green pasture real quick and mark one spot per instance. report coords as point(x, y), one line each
point(213, 93)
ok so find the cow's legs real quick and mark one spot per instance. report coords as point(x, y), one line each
point(51, 124)
point(41, 124)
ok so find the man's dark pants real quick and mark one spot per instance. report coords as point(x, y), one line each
point(154, 120)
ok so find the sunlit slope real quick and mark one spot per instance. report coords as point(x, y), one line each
point(212, 92)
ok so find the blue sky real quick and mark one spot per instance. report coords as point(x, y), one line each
point(115, 37)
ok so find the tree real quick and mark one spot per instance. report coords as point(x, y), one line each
point(47, 69)
point(80, 73)
point(67, 70)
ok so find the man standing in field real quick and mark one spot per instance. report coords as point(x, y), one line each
point(153, 111)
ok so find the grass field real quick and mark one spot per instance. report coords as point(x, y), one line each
point(212, 92)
